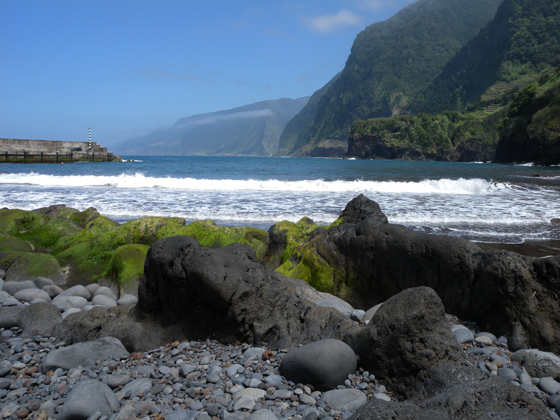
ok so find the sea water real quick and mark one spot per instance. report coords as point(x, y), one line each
point(476, 201)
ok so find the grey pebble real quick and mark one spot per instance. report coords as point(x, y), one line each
point(549, 385)
point(507, 374)
point(462, 334)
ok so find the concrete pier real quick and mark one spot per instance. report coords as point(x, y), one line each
point(52, 151)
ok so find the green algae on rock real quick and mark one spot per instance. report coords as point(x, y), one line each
point(24, 265)
point(98, 249)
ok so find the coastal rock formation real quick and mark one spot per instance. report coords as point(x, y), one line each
point(460, 391)
point(225, 294)
point(366, 263)
point(408, 335)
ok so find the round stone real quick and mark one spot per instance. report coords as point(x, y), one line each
point(462, 334)
point(324, 364)
point(344, 399)
point(507, 374)
point(484, 340)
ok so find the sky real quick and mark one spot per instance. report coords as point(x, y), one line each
point(125, 68)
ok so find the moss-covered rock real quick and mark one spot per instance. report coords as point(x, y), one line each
point(97, 248)
point(211, 235)
point(285, 239)
point(28, 265)
point(126, 266)
point(11, 243)
point(44, 227)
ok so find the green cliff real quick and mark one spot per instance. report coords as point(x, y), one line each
point(519, 44)
point(390, 62)
point(531, 130)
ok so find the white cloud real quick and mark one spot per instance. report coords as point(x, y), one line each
point(330, 23)
point(234, 115)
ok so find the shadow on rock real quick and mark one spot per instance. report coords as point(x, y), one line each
point(192, 292)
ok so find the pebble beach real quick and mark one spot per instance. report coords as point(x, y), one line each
point(206, 379)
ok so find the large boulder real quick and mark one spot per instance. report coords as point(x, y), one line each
point(106, 348)
point(38, 319)
point(225, 294)
point(368, 261)
point(325, 364)
point(408, 335)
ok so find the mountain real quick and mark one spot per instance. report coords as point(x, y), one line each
point(296, 134)
point(248, 130)
point(519, 47)
point(521, 42)
point(389, 63)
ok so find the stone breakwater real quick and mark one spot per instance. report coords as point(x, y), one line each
point(43, 378)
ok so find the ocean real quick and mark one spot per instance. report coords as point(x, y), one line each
point(477, 201)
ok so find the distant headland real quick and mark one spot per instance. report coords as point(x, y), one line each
point(52, 151)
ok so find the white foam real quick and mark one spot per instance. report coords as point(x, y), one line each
point(138, 180)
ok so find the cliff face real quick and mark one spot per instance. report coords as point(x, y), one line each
point(445, 137)
point(390, 62)
point(531, 131)
point(519, 43)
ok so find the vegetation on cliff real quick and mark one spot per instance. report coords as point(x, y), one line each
point(479, 78)
point(449, 136)
point(526, 130)
point(519, 44)
point(531, 130)
point(390, 62)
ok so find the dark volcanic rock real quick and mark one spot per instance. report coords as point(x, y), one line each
point(457, 391)
point(39, 319)
point(323, 364)
point(134, 333)
point(503, 292)
point(225, 294)
point(362, 208)
point(409, 334)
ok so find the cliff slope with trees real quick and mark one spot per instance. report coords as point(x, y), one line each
point(390, 62)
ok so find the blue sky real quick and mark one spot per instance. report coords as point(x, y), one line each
point(125, 68)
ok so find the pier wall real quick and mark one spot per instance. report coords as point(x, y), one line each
point(22, 150)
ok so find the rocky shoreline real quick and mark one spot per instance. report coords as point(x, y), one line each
point(42, 377)
point(215, 333)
